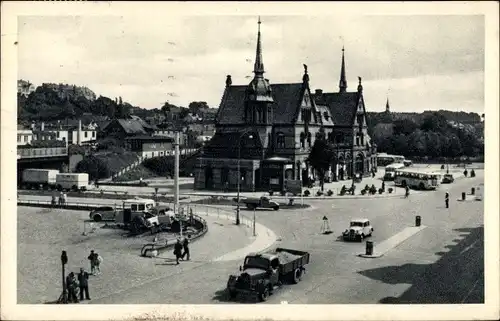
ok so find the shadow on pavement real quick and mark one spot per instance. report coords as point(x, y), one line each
point(223, 297)
point(457, 277)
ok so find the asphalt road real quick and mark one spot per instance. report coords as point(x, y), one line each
point(444, 263)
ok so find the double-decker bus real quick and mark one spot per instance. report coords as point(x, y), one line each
point(417, 179)
point(390, 171)
point(384, 159)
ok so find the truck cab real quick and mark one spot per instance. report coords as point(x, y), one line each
point(262, 202)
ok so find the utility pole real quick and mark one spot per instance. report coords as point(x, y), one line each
point(176, 180)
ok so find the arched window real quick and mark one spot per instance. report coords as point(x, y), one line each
point(280, 140)
point(309, 139)
point(302, 139)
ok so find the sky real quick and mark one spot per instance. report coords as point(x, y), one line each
point(418, 62)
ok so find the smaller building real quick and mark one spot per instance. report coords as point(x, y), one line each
point(24, 135)
point(150, 146)
point(123, 128)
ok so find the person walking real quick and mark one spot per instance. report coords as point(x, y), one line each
point(465, 173)
point(65, 198)
point(178, 250)
point(407, 191)
point(447, 200)
point(61, 198)
point(185, 245)
point(383, 186)
point(92, 260)
point(83, 280)
point(98, 261)
point(54, 201)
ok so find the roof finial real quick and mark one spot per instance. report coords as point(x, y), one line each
point(360, 87)
point(305, 78)
point(343, 81)
point(387, 107)
point(258, 67)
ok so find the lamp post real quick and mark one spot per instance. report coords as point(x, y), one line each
point(239, 176)
point(254, 222)
point(64, 260)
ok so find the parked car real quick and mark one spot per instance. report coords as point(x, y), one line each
point(262, 273)
point(263, 202)
point(358, 230)
point(448, 179)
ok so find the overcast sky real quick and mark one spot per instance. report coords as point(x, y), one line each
point(419, 62)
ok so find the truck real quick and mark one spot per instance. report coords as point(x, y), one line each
point(72, 181)
point(262, 202)
point(39, 178)
point(262, 273)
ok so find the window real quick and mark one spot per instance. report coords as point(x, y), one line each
point(58, 134)
point(93, 134)
point(357, 139)
point(362, 139)
point(25, 138)
point(19, 138)
point(142, 207)
point(280, 140)
point(85, 134)
point(133, 207)
point(302, 139)
point(326, 116)
point(309, 139)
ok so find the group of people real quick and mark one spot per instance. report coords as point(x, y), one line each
point(61, 201)
point(81, 285)
point(95, 262)
point(179, 247)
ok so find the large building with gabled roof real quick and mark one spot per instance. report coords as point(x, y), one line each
point(267, 131)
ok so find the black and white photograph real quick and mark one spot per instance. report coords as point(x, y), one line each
point(296, 155)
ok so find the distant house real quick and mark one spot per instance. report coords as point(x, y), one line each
point(25, 87)
point(123, 128)
point(169, 130)
point(150, 146)
point(24, 135)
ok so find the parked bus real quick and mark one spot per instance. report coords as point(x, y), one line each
point(390, 171)
point(417, 179)
point(384, 159)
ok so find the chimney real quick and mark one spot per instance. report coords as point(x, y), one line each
point(79, 133)
point(42, 127)
point(319, 92)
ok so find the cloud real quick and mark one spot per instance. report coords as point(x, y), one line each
point(422, 60)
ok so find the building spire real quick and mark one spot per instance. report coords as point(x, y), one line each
point(258, 67)
point(387, 107)
point(343, 81)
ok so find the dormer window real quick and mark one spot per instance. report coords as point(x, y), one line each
point(326, 116)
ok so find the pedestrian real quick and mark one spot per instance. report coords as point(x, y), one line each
point(72, 285)
point(65, 198)
point(178, 250)
point(98, 261)
point(407, 191)
point(185, 245)
point(60, 198)
point(465, 173)
point(54, 201)
point(447, 200)
point(383, 186)
point(83, 280)
point(92, 260)
point(373, 174)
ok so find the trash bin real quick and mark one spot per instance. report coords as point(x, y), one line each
point(472, 191)
point(463, 196)
point(369, 248)
point(418, 220)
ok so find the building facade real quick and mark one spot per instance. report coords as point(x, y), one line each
point(150, 146)
point(265, 132)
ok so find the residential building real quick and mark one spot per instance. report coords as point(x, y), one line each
point(150, 146)
point(24, 135)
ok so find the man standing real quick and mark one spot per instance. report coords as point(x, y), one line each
point(407, 191)
point(178, 250)
point(447, 200)
point(72, 285)
point(185, 245)
point(98, 261)
point(83, 279)
point(383, 186)
point(92, 260)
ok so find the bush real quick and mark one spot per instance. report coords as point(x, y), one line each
point(307, 193)
point(390, 190)
point(380, 191)
point(367, 187)
point(319, 193)
point(95, 167)
point(329, 193)
point(363, 192)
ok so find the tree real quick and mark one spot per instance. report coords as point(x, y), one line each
point(404, 126)
point(196, 106)
point(320, 158)
point(95, 167)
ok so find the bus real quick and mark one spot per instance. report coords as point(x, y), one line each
point(390, 170)
point(384, 159)
point(417, 179)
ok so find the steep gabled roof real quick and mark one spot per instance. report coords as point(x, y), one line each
point(286, 99)
point(226, 145)
point(130, 126)
point(342, 106)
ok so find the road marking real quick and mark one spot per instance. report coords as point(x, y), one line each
point(469, 247)
point(387, 245)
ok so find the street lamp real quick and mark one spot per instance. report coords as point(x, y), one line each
point(239, 176)
point(64, 295)
point(254, 222)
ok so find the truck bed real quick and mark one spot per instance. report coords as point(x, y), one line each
point(291, 259)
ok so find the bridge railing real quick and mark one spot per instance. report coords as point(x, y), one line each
point(41, 152)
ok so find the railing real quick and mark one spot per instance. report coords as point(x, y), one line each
point(42, 152)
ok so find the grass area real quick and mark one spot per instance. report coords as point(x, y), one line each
point(136, 173)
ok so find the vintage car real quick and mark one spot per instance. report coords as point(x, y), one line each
point(103, 213)
point(262, 202)
point(448, 179)
point(358, 230)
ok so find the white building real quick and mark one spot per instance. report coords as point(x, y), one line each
point(24, 136)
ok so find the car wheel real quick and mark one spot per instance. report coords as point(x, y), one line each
point(276, 208)
point(297, 276)
point(264, 295)
point(97, 218)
